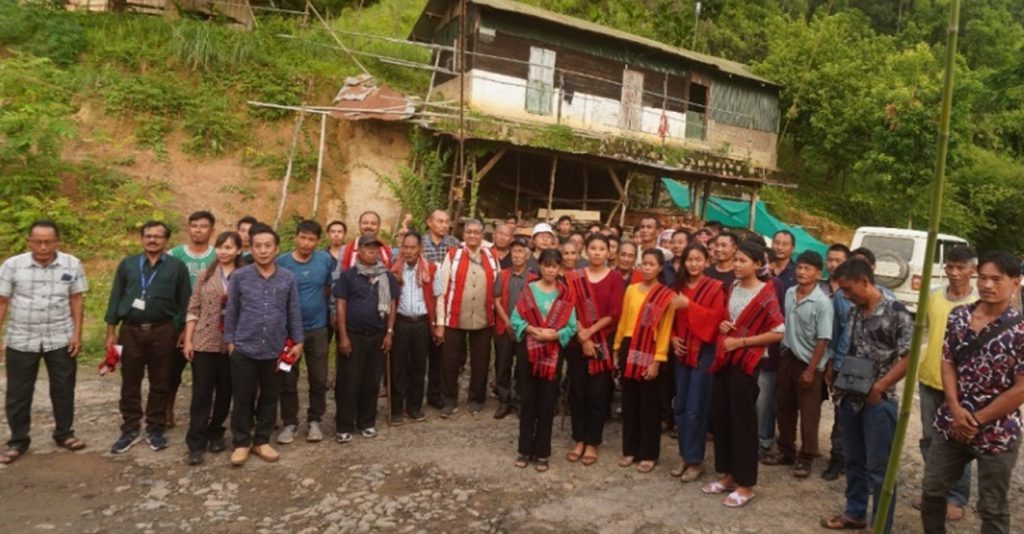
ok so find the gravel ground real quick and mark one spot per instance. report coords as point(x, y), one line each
point(437, 476)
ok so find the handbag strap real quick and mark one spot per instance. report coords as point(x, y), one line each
point(961, 355)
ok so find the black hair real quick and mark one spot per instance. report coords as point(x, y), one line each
point(44, 223)
point(755, 251)
point(729, 235)
point(839, 247)
point(597, 237)
point(961, 254)
point(714, 224)
point(1005, 262)
point(564, 218)
point(855, 269)
point(617, 228)
point(562, 240)
point(153, 224)
point(337, 222)
point(310, 227)
point(248, 219)
point(812, 258)
point(866, 253)
point(657, 254)
point(682, 277)
point(689, 236)
point(657, 223)
point(550, 256)
point(222, 238)
point(595, 225)
point(200, 215)
point(261, 228)
point(413, 234)
point(792, 238)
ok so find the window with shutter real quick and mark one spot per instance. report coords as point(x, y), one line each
point(540, 84)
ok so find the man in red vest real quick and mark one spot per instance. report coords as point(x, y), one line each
point(465, 316)
point(369, 224)
point(415, 315)
point(511, 282)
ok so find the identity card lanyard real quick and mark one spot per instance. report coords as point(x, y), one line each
point(142, 277)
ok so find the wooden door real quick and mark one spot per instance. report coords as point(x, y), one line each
point(631, 115)
point(540, 84)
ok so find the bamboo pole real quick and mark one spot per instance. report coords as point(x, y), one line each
point(935, 214)
point(551, 188)
point(319, 164)
point(288, 170)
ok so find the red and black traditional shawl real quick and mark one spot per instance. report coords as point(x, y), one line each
point(697, 324)
point(761, 315)
point(587, 314)
point(544, 354)
point(644, 340)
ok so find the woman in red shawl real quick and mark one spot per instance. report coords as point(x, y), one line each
point(754, 321)
point(544, 321)
point(695, 333)
point(598, 292)
point(642, 342)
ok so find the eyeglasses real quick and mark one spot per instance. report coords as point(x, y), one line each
point(152, 237)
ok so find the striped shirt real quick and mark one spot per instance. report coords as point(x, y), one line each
point(39, 309)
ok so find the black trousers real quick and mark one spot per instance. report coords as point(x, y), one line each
point(211, 399)
point(667, 389)
point(358, 383)
point(255, 389)
point(409, 354)
point(147, 352)
point(537, 401)
point(505, 370)
point(22, 370)
point(734, 404)
point(456, 343)
point(314, 352)
point(434, 358)
point(589, 397)
point(641, 414)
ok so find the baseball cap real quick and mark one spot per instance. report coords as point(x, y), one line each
point(369, 240)
point(540, 228)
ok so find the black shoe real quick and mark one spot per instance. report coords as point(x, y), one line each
point(216, 445)
point(436, 403)
point(833, 471)
point(194, 458)
point(503, 411)
point(416, 415)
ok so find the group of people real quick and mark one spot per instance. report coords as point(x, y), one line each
point(707, 334)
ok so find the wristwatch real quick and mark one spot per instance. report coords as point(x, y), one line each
point(391, 330)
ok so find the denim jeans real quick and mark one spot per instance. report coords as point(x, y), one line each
point(867, 440)
point(931, 399)
point(768, 383)
point(693, 396)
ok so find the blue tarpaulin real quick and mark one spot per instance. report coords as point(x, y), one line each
point(736, 214)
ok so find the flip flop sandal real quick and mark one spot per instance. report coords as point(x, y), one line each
point(588, 460)
point(573, 456)
point(843, 522)
point(802, 469)
point(522, 462)
point(691, 475)
point(735, 500)
point(626, 461)
point(542, 465)
point(678, 470)
point(716, 487)
point(11, 455)
point(71, 444)
point(645, 466)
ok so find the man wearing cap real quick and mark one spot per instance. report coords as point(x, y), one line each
point(543, 239)
point(366, 296)
point(465, 316)
point(369, 224)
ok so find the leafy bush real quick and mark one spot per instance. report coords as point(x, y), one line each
point(213, 127)
point(42, 32)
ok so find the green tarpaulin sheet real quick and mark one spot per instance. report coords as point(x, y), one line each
point(736, 214)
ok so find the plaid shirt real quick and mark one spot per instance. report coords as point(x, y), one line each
point(39, 310)
point(435, 253)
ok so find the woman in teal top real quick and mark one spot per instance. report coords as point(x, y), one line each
point(544, 321)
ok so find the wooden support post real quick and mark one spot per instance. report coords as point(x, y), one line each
point(656, 193)
point(706, 193)
point(319, 164)
point(755, 195)
point(519, 162)
point(551, 188)
point(586, 181)
point(490, 164)
point(288, 170)
point(692, 193)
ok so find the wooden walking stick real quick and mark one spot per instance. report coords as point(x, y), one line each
point(387, 380)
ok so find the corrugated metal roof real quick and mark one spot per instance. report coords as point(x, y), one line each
point(423, 30)
point(362, 98)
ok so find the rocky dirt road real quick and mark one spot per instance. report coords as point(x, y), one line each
point(435, 476)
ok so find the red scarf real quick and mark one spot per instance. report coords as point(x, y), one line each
point(761, 315)
point(348, 256)
point(544, 354)
point(458, 259)
point(424, 277)
point(503, 300)
point(587, 315)
point(643, 342)
point(698, 322)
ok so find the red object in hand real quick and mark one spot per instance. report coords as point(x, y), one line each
point(109, 364)
point(286, 360)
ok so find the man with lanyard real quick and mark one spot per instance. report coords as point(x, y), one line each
point(369, 224)
point(312, 270)
point(784, 277)
point(983, 382)
point(366, 297)
point(43, 290)
point(436, 245)
point(197, 255)
point(465, 316)
point(838, 347)
point(510, 284)
point(880, 338)
point(960, 266)
point(415, 315)
point(150, 294)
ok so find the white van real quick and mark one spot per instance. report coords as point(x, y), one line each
point(899, 255)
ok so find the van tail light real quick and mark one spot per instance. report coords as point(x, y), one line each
point(915, 283)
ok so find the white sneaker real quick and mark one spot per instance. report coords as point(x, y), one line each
point(287, 435)
point(314, 433)
point(343, 437)
point(369, 432)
